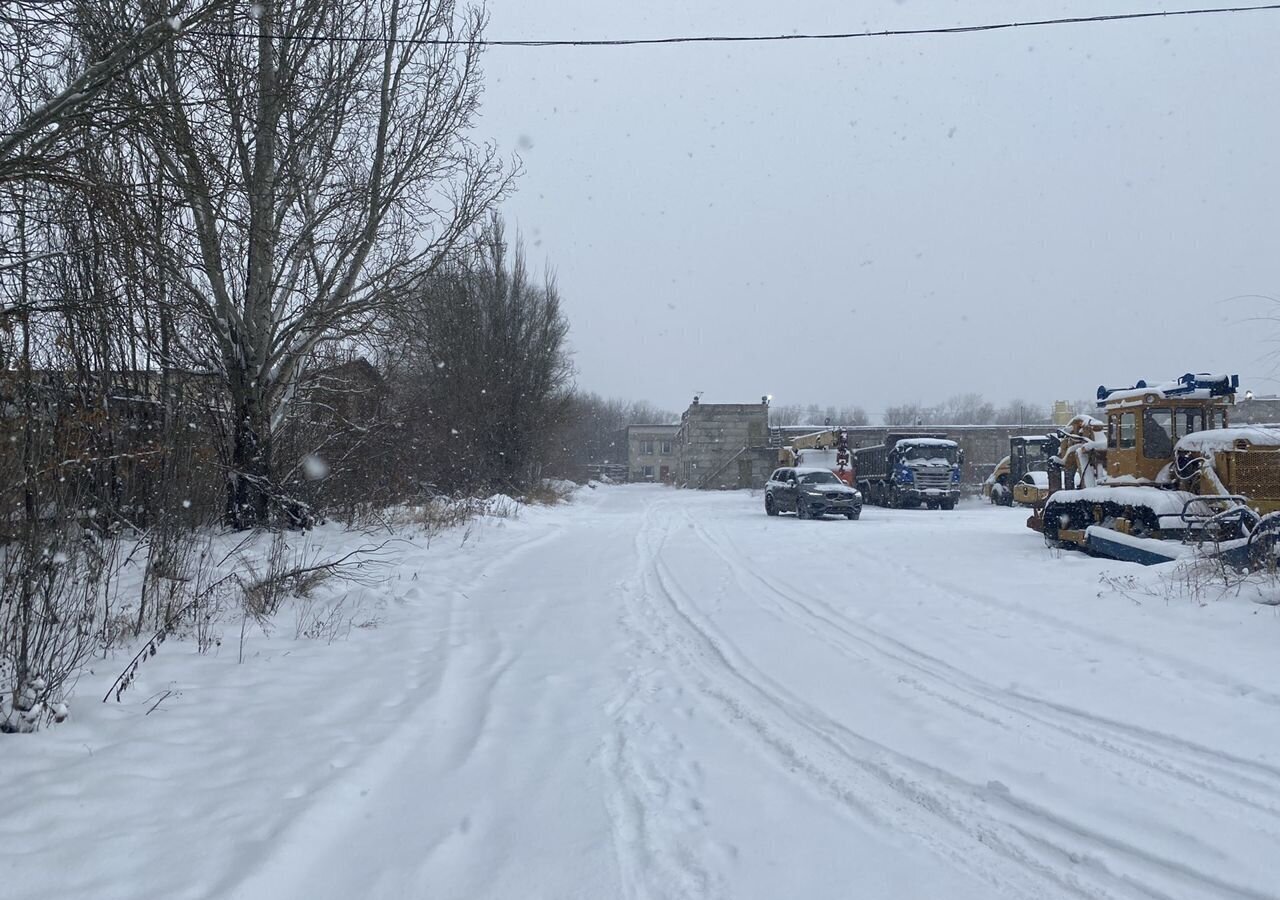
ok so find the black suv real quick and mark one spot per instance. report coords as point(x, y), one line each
point(810, 493)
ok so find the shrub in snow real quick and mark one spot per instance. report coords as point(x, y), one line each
point(55, 589)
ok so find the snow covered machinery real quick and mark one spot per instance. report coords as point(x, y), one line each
point(1165, 465)
point(1022, 476)
point(821, 450)
point(909, 470)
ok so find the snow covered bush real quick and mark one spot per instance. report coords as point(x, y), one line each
point(55, 597)
point(1203, 578)
point(550, 491)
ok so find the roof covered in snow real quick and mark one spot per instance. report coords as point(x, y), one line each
point(923, 442)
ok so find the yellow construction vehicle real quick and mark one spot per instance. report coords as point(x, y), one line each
point(828, 449)
point(1171, 468)
point(1022, 476)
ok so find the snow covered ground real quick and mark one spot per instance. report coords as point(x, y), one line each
point(649, 693)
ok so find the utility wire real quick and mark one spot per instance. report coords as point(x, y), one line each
point(770, 38)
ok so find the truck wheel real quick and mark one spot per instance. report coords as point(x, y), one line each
point(948, 504)
point(895, 499)
point(770, 508)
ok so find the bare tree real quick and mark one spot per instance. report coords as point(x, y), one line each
point(312, 181)
point(1020, 412)
point(487, 369)
point(595, 431)
point(909, 414)
point(52, 79)
point(813, 414)
point(965, 409)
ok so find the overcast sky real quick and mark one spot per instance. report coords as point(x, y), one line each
point(1031, 212)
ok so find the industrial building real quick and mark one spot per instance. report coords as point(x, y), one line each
point(651, 453)
point(714, 446)
point(725, 445)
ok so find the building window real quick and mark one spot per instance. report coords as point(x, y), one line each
point(646, 447)
point(666, 448)
point(648, 473)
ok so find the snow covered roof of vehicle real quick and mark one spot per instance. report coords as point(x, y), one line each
point(1225, 438)
point(924, 442)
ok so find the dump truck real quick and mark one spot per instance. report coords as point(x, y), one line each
point(910, 470)
point(1165, 467)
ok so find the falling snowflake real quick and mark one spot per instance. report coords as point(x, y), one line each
point(314, 467)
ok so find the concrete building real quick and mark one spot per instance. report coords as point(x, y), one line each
point(725, 446)
point(652, 453)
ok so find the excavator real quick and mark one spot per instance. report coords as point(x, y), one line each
point(1164, 468)
point(828, 449)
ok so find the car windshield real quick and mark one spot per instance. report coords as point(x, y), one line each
point(819, 478)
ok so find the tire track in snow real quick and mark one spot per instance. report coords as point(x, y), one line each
point(1144, 746)
point(855, 639)
point(1205, 674)
point(837, 763)
point(313, 831)
point(659, 830)
point(1253, 776)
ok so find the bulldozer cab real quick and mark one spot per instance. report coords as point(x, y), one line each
point(1145, 423)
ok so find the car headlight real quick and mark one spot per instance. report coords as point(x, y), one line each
point(813, 493)
point(857, 495)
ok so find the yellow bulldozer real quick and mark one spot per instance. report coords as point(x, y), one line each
point(827, 449)
point(1164, 465)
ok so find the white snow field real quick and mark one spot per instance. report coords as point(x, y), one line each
point(650, 693)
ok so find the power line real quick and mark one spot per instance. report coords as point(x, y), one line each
point(775, 38)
